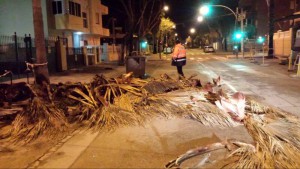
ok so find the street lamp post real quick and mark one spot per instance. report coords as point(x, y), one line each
point(192, 30)
point(166, 9)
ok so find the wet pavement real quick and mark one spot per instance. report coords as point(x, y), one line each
point(163, 139)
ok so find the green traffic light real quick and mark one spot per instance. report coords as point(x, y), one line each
point(260, 39)
point(238, 35)
point(144, 44)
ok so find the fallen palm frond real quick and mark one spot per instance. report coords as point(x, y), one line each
point(159, 87)
point(37, 119)
point(230, 145)
point(209, 115)
point(107, 103)
point(97, 103)
point(256, 107)
point(273, 149)
point(195, 106)
point(276, 136)
point(235, 105)
point(195, 152)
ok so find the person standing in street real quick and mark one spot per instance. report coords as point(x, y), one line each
point(179, 58)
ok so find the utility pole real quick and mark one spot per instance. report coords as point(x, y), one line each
point(241, 17)
point(271, 28)
point(114, 33)
point(242, 29)
point(159, 44)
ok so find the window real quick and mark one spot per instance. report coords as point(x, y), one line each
point(85, 23)
point(97, 18)
point(57, 7)
point(74, 9)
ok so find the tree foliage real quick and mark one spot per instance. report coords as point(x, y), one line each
point(166, 25)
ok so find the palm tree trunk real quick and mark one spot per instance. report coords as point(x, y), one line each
point(41, 72)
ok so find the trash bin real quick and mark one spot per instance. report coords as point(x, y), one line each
point(136, 64)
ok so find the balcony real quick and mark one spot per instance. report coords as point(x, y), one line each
point(70, 22)
point(103, 9)
point(105, 32)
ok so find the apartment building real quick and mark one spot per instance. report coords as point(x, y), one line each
point(257, 14)
point(79, 21)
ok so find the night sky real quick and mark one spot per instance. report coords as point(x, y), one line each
point(183, 12)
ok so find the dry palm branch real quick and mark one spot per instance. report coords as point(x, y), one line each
point(109, 102)
point(40, 117)
point(275, 133)
point(96, 100)
point(127, 100)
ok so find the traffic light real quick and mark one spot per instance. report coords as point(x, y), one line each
point(260, 40)
point(237, 36)
point(143, 45)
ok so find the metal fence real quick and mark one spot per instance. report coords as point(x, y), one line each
point(75, 58)
point(15, 50)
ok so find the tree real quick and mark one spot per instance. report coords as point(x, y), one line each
point(166, 24)
point(41, 71)
point(143, 17)
point(165, 27)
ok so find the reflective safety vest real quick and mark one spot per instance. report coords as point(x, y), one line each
point(179, 52)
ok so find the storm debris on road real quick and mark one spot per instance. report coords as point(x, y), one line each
point(106, 103)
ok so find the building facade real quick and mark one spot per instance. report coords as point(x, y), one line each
point(79, 21)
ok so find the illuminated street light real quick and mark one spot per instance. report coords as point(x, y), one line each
point(166, 8)
point(200, 18)
point(176, 34)
point(174, 26)
point(192, 30)
point(204, 10)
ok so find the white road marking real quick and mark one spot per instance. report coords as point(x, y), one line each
point(213, 74)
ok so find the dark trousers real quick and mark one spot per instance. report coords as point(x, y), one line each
point(179, 70)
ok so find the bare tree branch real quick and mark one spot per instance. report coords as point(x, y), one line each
point(126, 9)
point(151, 13)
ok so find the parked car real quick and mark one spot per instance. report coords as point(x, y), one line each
point(208, 49)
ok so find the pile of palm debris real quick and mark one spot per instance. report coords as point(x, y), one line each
point(106, 103)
